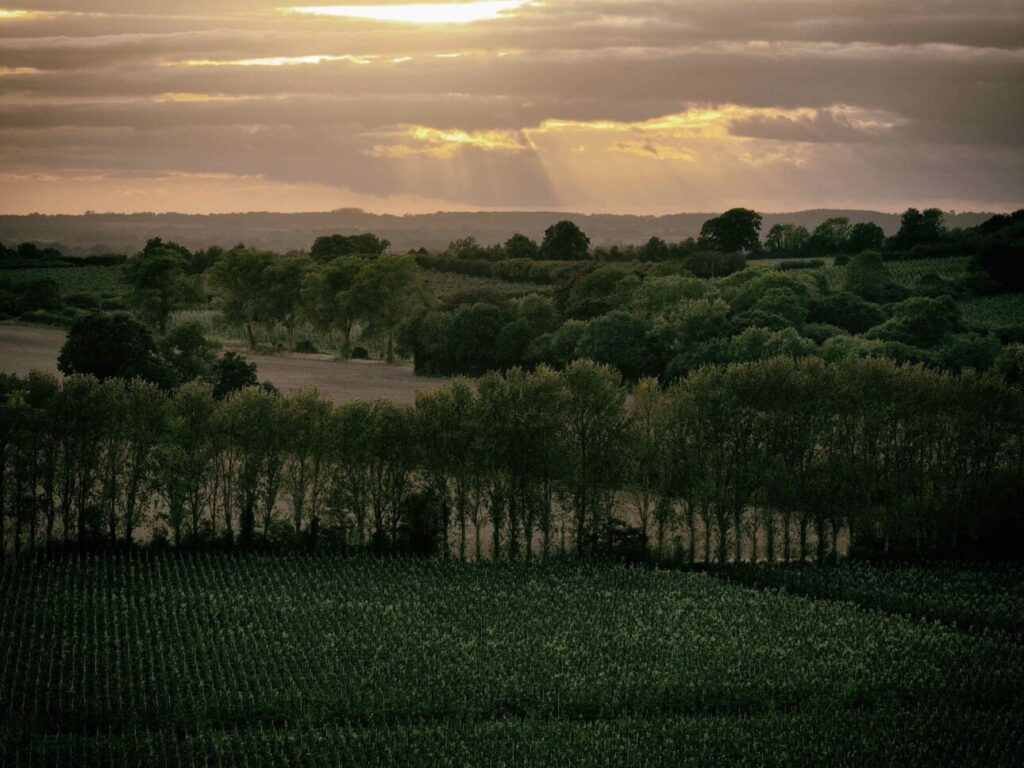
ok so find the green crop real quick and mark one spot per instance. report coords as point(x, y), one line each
point(267, 660)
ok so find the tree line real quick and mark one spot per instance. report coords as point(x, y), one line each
point(780, 460)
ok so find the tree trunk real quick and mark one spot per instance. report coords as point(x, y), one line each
point(737, 523)
point(252, 336)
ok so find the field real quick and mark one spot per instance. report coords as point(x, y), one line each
point(271, 660)
point(24, 348)
point(100, 281)
point(968, 597)
point(440, 284)
point(995, 311)
point(905, 273)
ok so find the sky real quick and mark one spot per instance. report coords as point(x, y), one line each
point(619, 106)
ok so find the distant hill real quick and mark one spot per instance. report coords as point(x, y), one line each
point(127, 233)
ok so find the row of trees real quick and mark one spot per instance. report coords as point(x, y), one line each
point(773, 460)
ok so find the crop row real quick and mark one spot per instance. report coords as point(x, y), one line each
point(108, 642)
point(968, 597)
point(889, 736)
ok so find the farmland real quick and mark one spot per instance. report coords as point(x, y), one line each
point(260, 660)
point(24, 348)
point(99, 281)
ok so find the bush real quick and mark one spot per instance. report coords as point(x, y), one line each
point(359, 353)
point(306, 345)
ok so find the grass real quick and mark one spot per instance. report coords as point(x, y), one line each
point(261, 660)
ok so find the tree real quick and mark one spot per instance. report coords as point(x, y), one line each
point(865, 236)
point(565, 241)
point(306, 421)
point(595, 426)
point(786, 239)
point(735, 231)
point(282, 295)
point(389, 291)
point(328, 300)
point(467, 248)
point(1003, 262)
point(185, 459)
point(846, 310)
point(145, 409)
point(917, 228)
point(187, 354)
point(159, 285)
point(231, 374)
point(831, 236)
point(449, 445)
point(240, 279)
point(709, 264)
point(110, 346)
point(654, 249)
point(866, 276)
point(919, 322)
point(620, 340)
point(521, 247)
point(330, 247)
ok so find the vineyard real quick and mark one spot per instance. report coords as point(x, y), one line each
point(995, 311)
point(269, 660)
point(99, 281)
point(905, 273)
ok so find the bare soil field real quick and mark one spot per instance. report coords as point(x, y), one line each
point(26, 347)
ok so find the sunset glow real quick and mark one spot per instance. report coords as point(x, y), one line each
point(625, 106)
point(419, 13)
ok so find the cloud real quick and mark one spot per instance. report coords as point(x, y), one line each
point(592, 104)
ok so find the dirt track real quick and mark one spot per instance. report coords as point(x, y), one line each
point(24, 347)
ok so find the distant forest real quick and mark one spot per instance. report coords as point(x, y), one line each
point(99, 233)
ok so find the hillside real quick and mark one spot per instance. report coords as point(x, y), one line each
point(126, 233)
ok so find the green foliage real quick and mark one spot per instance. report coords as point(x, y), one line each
point(330, 247)
point(565, 241)
point(110, 346)
point(620, 340)
point(232, 373)
point(920, 322)
point(389, 291)
point(980, 598)
point(867, 276)
point(519, 670)
point(848, 311)
point(735, 231)
point(521, 247)
point(918, 228)
point(159, 285)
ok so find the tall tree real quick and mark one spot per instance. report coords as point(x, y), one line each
point(389, 291)
point(565, 241)
point(159, 285)
point(736, 230)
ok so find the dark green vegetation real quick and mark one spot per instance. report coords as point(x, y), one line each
point(776, 460)
point(977, 598)
point(660, 309)
point(187, 660)
point(666, 309)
